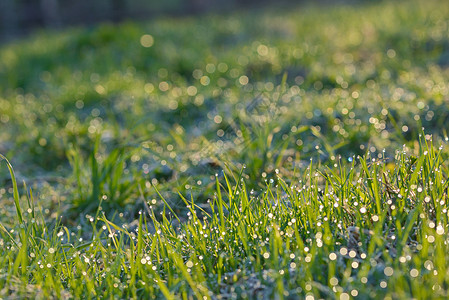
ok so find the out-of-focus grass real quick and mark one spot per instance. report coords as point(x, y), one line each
point(107, 121)
point(344, 66)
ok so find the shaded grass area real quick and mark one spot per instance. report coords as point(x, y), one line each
point(248, 155)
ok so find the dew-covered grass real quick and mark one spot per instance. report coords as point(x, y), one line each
point(284, 152)
point(364, 229)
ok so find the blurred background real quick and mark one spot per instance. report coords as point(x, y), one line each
point(19, 17)
point(171, 92)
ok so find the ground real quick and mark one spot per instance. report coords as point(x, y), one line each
point(277, 152)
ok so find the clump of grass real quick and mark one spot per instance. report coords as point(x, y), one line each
point(368, 228)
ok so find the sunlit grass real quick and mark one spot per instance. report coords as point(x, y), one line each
point(365, 228)
point(212, 157)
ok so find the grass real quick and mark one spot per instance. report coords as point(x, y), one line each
point(360, 229)
point(210, 157)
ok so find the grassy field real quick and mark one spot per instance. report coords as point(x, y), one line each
point(283, 152)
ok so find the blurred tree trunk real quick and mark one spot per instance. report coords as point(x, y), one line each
point(118, 10)
point(9, 17)
point(50, 12)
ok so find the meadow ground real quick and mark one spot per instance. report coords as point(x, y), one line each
point(282, 152)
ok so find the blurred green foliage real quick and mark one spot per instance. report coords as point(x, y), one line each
point(268, 88)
